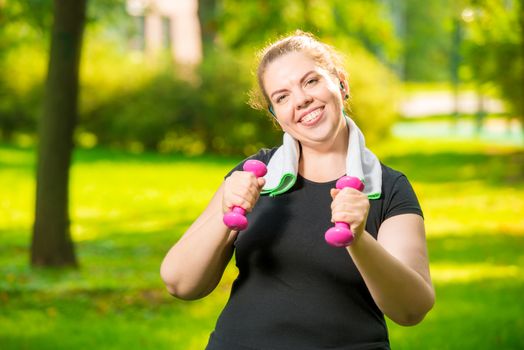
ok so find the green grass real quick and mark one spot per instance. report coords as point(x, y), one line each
point(127, 210)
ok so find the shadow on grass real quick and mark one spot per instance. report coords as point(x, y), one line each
point(102, 319)
point(115, 300)
point(19, 158)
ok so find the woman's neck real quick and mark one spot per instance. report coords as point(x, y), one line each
point(327, 163)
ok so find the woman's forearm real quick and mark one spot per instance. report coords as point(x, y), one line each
point(195, 264)
point(401, 292)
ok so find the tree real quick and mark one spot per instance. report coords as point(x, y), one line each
point(208, 22)
point(22, 24)
point(253, 23)
point(520, 98)
point(494, 48)
point(428, 39)
point(52, 244)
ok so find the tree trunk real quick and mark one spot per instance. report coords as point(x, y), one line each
point(52, 244)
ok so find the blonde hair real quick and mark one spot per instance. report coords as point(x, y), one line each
point(323, 54)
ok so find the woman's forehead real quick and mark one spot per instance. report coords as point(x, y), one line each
point(291, 66)
point(291, 60)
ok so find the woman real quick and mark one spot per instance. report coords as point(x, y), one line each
point(294, 291)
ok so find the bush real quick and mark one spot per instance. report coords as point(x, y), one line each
point(223, 110)
point(21, 90)
point(374, 91)
point(138, 115)
point(131, 105)
point(127, 101)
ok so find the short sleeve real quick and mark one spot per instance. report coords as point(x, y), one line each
point(402, 199)
point(263, 155)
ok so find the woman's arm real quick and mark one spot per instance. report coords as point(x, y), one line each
point(395, 266)
point(194, 265)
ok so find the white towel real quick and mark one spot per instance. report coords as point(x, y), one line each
point(360, 162)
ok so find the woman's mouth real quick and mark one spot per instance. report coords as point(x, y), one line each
point(312, 117)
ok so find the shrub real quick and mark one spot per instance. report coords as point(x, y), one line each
point(374, 93)
point(127, 101)
point(130, 104)
point(21, 89)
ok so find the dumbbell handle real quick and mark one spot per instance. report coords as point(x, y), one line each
point(340, 235)
point(236, 218)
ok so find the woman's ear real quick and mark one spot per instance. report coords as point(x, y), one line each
point(344, 86)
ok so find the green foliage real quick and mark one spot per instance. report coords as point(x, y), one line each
point(131, 101)
point(24, 30)
point(21, 90)
point(130, 104)
point(370, 23)
point(221, 109)
point(494, 48)
point(427, 40)
point(125, 103)
point(374, 93)
point(256, 22)
point(134, 105)
point(23, 19)
point(123, 225)
point(22, 63)
point(158, 110)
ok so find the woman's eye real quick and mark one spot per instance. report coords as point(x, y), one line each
point(311, 81)
point(281, 98)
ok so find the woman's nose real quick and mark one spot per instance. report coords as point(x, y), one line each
point(302, 99)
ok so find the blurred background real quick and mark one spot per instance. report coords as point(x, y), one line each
point(156, 113)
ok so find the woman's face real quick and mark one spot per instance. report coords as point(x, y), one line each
point(306, 98)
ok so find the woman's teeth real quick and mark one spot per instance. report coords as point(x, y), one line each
point(309, 117)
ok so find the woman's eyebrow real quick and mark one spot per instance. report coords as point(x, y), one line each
point(277, 92)
point(304, 77)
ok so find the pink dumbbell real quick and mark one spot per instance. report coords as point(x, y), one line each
point(340, 235)
point(236, 218)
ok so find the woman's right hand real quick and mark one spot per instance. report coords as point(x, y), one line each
point(241, 189)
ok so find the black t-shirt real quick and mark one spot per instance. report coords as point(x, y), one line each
point(294, 291)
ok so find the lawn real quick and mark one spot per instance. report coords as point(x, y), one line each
point(128, 209)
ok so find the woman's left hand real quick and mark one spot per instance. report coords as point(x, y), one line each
point(351, 206)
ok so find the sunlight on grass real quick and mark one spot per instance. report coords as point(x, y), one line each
point(449, 273)
point(15, 157)
point(16, 209)
point(461, 208)
point(151, 197)
point(405, 147)
point(127, 210)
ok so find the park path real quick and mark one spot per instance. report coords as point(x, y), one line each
point(421, 105)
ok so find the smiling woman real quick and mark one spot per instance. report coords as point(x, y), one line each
point(293, 290)
point(296, 80)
